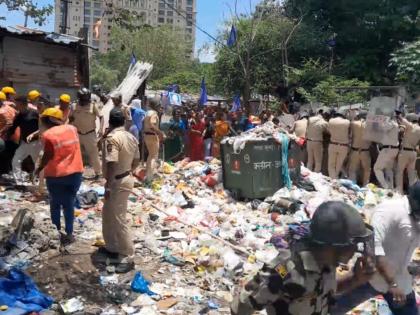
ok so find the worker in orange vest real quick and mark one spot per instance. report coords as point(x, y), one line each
point(7, 116)
point(10, 95)
point(33, 97)
point(63, 168)
point(65, 106)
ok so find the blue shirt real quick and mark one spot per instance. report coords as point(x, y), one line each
point(137, 114)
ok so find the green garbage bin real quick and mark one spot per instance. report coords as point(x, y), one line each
point(255, 171)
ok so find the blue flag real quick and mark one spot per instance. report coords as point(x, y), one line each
point(232, 37)
point(236, 103)
point(203, 93)
point(133, 60)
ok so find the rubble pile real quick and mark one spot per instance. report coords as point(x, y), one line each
point(194, 243)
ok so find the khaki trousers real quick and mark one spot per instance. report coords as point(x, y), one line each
point(336, 156)
point(406, 161)
point(384, 167)
point(89, 143)
point(152, 144)
point(315, 153)
point(357, 159)
point(115, 229)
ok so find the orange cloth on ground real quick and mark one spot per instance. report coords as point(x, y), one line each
point(63, 142)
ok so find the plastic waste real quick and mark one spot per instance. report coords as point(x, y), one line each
point(141, 285)
point(72, 306)
point(19, 290)
point(172, 259)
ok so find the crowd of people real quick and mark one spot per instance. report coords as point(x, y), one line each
point(302, 279)
point(339, 146)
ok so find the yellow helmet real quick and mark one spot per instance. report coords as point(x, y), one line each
point(53, 113)
point(33, 95)
point(2, 96)
point(8, 90)
point(65, 98)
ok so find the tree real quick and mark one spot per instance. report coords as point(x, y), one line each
point(365, 32)
point(255, 64)
point(163, 46)
point(406, 60)
point(336, 91)
point(32, 10)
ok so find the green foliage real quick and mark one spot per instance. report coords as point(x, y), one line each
point(308, 75)
point(164, 47)
point(407, 62)
point(263, 53)
point(189, 80)
point(335, 91)
point(367, 32)
point(32, 10)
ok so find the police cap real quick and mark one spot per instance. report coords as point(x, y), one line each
point(83, 94)
point(336, 223)
point(116, 117)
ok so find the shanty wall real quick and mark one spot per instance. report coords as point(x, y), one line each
point(49, 68)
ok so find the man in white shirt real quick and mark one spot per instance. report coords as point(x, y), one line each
point(396, 224)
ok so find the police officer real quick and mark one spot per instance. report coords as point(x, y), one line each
point(152, 137)
point(339, 129)
point(360, 154)
point(83, 117)
point(120, 157)
point(96, 96)
point(408, 154)
point(384, 166)
point(317, 126)
point(300, 126)
point(118, 103)
point(302, 279)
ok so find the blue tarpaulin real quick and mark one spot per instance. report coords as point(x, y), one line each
point(19, 291)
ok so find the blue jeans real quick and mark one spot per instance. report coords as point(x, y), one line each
point(63, 192)
point(352, 299)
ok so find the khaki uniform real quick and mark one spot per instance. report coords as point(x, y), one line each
point(152, 141)
point(299, 128)
point(314, 135)
point(408, 155)
point(121, 148)
point(339, 129)
point(84, 119)
point(127, 115)
point(360, 154)
point(384, 166)
point(292, 284)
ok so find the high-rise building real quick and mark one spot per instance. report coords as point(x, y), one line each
point(72, 16)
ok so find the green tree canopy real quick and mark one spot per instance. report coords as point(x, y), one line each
point(163, 46)
point(406, 60)
point(366, 32)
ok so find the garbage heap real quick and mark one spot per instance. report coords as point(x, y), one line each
point(195, 244)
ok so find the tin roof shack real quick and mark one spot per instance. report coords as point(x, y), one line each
point(49, 62)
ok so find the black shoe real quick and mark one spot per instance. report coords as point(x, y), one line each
point(103, 251)
point(66, 240)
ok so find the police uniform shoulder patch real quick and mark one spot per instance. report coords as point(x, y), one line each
point(109, 147)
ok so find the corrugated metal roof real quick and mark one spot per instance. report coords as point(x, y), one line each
point(47, 36)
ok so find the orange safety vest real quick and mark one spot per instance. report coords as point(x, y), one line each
point(67, 157)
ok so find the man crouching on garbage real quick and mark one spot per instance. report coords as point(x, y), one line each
point(302, 279)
